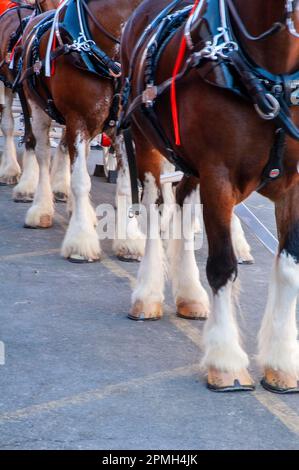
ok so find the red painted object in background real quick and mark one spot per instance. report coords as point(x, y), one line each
point(5, 5)
point(106, 141)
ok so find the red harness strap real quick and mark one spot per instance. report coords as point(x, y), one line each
point(12, 54)
point(53, 65)
point(53, 47)
point(176, 70)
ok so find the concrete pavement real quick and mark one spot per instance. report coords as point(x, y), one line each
point(80, 375)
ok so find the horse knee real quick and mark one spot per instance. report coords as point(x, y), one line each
point(291, 244)
point(29, 141)
point(221, 268)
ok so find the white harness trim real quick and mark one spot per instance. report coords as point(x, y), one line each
point(51, 38)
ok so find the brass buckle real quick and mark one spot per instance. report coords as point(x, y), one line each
point(149, 95)
point(37, 66)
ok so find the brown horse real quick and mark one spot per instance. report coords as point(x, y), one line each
point(84, 101)
point(222, 140)
point(10, 25)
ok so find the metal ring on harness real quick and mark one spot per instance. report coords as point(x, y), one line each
point(275, 108)
point(113, 74)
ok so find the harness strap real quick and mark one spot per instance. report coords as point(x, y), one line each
point(113, 67)
point(98, 24)
point(177, 68)
point(275, 28)
point(132, 164)
point(269, 94)
point(252, 84)
point(150, 28)
point(284, 120)
point(51, 36)
point(124, 124)
point(156, 91)
point(39, 66)
point(274, 168)
point(165, 143)
point(256, 91)
point(29, 139)
point(112, 119)
point(20, 20)
point(15, 37)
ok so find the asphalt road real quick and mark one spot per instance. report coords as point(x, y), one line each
point(79, 375)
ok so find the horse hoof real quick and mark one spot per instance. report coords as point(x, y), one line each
point(219, 381)
point(78, 259)
point(246, 262)
point(23, 197)
point(9, 180)
point(60, 197)
point(129, 259)
point(192, 311)
point(276, 381)
point(45, 221)
point(146, 312)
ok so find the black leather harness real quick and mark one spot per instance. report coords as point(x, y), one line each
point(93, 59)
point(14, 38)
point(221, 63)
point(79, 46)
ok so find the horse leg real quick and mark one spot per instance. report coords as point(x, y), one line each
point(278, 344)
point(241, 246)
point(25, 189)
point(129, 241)
point(10, 169)
point(168, 196)
point(60, 171)
point(191, 299)
point(2, 95)
point(81, 243)
point(40, 214)
point(148, 295)
point(224, 357)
